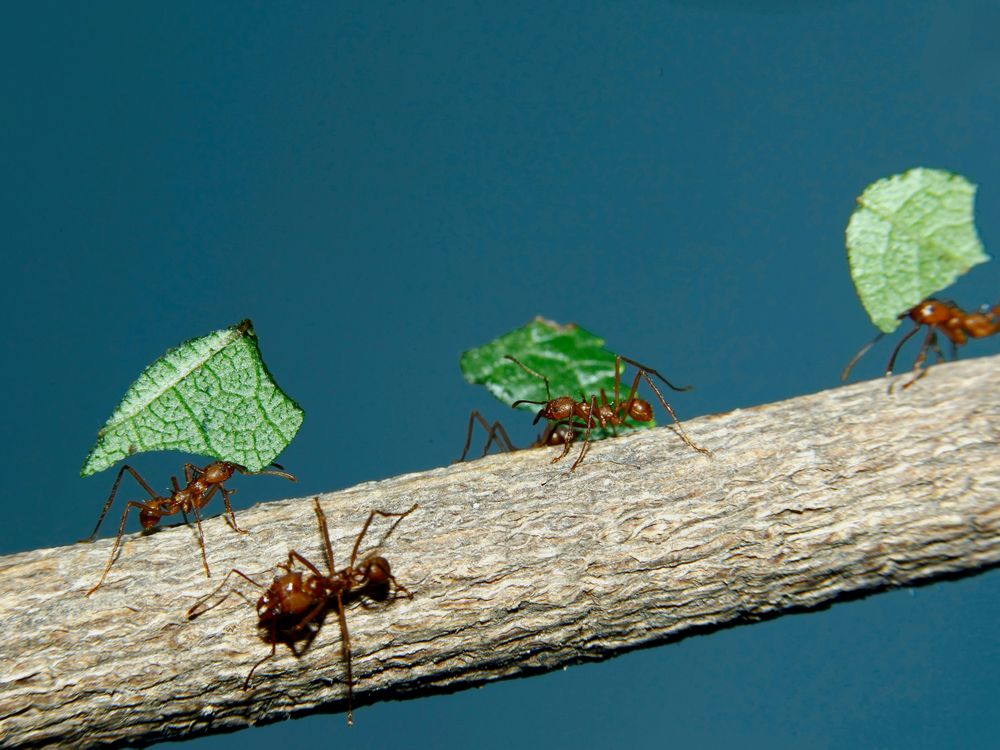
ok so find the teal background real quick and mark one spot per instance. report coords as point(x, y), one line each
point(383, 186)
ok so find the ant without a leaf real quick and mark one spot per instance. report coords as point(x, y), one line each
point(296, 599)
point(553, 434)
point(202, 484)
point(583, 415)
point(938, 316)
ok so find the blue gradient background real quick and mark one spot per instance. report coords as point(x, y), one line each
point(382, 187)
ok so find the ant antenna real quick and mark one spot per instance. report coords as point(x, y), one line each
point(519, 363)
point(861, 352)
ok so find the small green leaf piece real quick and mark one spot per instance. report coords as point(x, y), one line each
point(212, 396)
point(573, 359)
point(911, 236)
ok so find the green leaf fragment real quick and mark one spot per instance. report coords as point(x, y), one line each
point(573, 359)
point(911, 236)
point(211, 396)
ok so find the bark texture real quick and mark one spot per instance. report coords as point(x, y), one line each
point(516, 565)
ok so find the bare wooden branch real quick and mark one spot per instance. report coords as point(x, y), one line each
point(516, 565)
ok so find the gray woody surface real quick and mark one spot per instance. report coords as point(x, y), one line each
point(516, 565)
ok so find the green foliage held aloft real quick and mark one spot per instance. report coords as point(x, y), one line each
point(911, 236)
point(212, 396)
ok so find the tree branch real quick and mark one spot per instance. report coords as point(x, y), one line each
point(515, 565)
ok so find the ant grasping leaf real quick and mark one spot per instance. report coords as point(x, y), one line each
point(937, 316)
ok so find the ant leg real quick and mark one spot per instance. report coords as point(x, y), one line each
point(495, 434)
point(673, 416)
point(371, 517)
point(191, 472)
point(114, 491)
point(199, 609)
point(321, 518)
point(229, 507)
point(399, 587)
point(274, 646)
point(491, 433)
point(567, 445)
point(201, 535)
point(895, 352)
point(118, 539)
point(930, 340)
point(604, 403)
point(345, 653)
point(293, 555)
point(586, 435)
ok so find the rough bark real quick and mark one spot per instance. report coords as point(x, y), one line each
point(516, 565)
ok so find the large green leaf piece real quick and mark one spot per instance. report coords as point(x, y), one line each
point(911, 236)
point(573, 359)
point(212, 396)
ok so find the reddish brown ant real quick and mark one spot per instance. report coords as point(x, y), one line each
point(296, 599)
point(202, 484)
point(583, 415)
point(553, 434)
point(938, 316)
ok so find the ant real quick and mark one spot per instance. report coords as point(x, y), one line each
point(583, 415)
point(938, 316)
point(296, 599)
point(202, 484)
point(553, 434)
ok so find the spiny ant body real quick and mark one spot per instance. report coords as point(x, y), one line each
point(938, 316)
point(202, 484)
point(581, 416)
point(298, 598)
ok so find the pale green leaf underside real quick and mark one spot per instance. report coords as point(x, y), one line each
point(911, 236)
point(211, 396)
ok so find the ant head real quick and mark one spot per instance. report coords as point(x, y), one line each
point(640, 411)
point(931, 312)
point(268, 606)
point(376, 570)
point(557, 409)
point(220, 471)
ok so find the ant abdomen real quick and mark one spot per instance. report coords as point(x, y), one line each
point(149, 518)
point(641, 411)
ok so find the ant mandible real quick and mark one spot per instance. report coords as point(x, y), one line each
point(295, 599)
point(583, 415)
point(202, 484)
point(553, 434)
point(937, 315)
